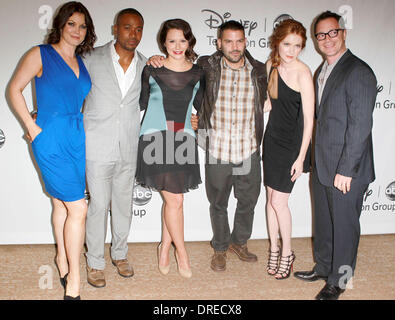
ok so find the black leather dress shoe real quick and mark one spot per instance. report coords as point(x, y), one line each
point(71, 298)
point(329, 292)
point(309, 276)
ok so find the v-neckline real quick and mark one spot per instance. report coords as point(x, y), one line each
point(71, 69)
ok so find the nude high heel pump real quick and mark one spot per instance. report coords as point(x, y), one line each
point(186, 273)
point(162, 269)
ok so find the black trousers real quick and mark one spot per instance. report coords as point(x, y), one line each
point(245, 179)
point(336, 230)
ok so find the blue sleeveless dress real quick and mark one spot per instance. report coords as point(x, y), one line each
point(59, 149)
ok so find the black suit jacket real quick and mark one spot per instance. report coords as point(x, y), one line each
point(343, 139)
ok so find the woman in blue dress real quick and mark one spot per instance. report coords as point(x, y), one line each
point(57, 136)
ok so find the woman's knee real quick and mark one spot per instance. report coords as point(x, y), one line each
point(175, 201)
point(77, 209)
point(58, 206)
point(278, 203)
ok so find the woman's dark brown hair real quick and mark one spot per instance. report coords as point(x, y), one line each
point(285, 28)
point(184, 26)
point(60, 20)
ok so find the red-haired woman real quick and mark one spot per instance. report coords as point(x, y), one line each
point(287, 137)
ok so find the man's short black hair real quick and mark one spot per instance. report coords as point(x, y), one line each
point(326, 15)
point(128, 11)
point(230, 25)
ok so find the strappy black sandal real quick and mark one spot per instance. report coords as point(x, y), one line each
point(285, 267)
point(272, 263)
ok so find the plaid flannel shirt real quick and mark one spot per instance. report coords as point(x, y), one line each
point(232, 137)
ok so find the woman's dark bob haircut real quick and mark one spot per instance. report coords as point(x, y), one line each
point(184, 26)
point(60, 20)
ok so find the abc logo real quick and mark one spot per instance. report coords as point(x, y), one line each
point(2, 138)
point(280, 19)
point(141, 195)
point(390, 191)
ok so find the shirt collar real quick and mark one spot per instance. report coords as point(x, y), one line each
point(114, 53)
point(332, 65)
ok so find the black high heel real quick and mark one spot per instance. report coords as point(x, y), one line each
point(285, 267)
point(272, 263)
point(66, 297)
point(62, 280)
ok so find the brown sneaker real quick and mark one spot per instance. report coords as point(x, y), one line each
point(124, 268)
point(242, 252)
point(96, 277)
point(218, 261)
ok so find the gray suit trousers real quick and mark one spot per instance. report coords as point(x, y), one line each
point(110, 187)
point(336, 230)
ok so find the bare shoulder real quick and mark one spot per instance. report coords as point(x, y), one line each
point(32, 59)
point(34, 53)
point(28, 67)
point(304, 73)
point(303, 69)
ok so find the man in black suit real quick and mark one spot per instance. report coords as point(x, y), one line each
point(343, 157)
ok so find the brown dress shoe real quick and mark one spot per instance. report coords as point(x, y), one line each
point(242, 252)
point(96, 277)
point(124, 268)
point(218, 261)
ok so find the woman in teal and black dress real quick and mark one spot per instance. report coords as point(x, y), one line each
point(167, 154)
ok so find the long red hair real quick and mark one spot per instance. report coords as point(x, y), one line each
point(285, 28)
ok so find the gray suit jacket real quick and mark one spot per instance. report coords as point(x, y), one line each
point(112, 124)
point(343, 139)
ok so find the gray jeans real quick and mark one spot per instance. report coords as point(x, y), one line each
point(220, 178)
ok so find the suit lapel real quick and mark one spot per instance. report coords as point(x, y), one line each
point(317, 105)
point(139, 68)
point(110, 67)
point(332, 79)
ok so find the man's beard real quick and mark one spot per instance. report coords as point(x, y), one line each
point(127, 47)
point(231, 58)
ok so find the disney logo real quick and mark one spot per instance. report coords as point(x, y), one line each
point(216, 19)
point(368, 193)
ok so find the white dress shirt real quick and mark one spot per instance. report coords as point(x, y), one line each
point(125, 79)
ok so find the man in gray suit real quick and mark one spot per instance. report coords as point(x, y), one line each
point(112, 124)
point(343, 166)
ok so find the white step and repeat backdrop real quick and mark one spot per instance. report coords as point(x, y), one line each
point(25, 211)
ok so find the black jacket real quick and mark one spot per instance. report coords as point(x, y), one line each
point(212, 69)
point(343, 135)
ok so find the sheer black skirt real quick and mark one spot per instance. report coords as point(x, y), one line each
point(168, 161)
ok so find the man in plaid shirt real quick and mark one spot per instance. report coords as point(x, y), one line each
point(232, 115)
